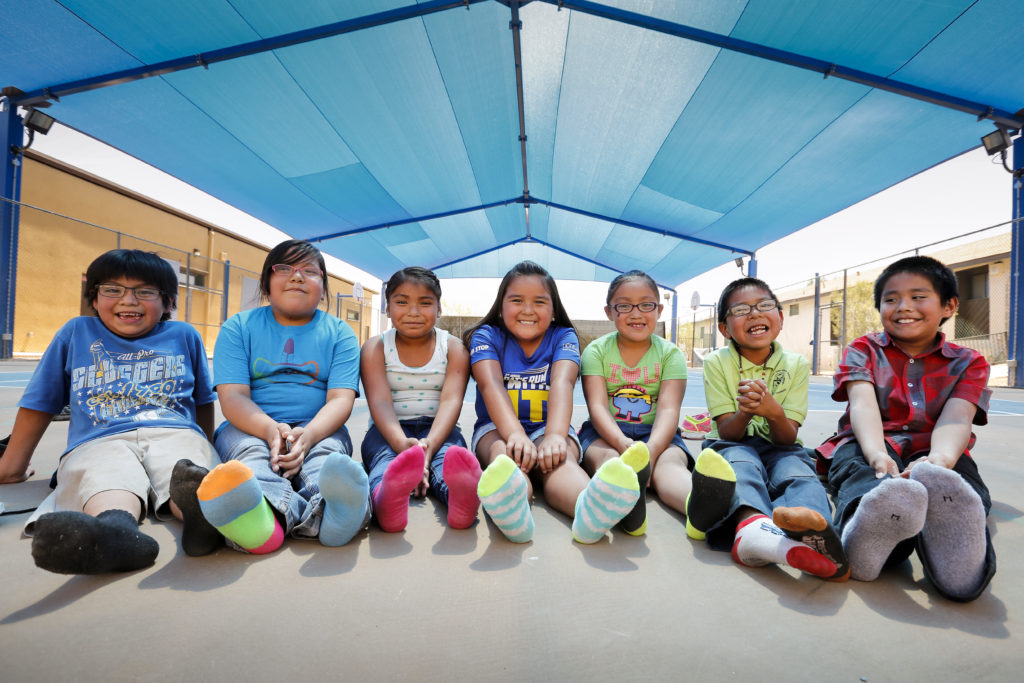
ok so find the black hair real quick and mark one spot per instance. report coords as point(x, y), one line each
point(723, 301)
point(622, 278)
point(417, 274)
point(145, 266)
point(291, 252)
point(521, 269)
point(936, 272)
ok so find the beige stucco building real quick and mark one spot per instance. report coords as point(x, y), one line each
point(68, 217)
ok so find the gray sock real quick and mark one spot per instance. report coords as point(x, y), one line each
point(954, 529)
point(892, 512)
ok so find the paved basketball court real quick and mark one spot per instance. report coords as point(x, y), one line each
point(434, 604)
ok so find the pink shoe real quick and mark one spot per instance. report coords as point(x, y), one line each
point(696, 426)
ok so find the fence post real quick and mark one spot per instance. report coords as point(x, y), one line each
point(227, 291)
point(817, 323)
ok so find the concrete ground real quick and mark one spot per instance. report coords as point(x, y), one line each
point(434, 604)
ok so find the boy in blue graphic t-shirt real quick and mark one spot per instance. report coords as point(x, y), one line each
point(141, 399)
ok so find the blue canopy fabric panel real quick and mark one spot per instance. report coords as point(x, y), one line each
point(399, 144)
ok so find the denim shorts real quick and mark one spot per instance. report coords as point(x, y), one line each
point(635, 432)
point(534, 433)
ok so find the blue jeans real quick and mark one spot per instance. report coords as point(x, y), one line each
point(850, 477)
point(635, 432)
point(377, 454)
point(297, 500)
point(768, 476)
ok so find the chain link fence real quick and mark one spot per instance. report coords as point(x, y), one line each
point(840, 306)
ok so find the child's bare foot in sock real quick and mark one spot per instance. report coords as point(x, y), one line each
point(391, 498)
point(759, 542)
point(891, 512)
point(77, 543)
point(198, 536)
point(953, 536)
point(813, 530)
point(461, 471)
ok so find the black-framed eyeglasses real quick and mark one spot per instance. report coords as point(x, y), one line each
point(311, 272)
point(743, 310)
point(645, 307)
point(142, 293)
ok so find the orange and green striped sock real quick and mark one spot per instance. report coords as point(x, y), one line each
point(232, 501)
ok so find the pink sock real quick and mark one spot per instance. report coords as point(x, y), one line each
point(461, 472)
point(391, 499)
point(759, 542)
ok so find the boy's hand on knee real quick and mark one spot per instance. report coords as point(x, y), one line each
point(883, 465)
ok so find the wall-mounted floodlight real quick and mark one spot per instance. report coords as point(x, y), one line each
point(35, 121)
point(997, 141)
point(38, 121)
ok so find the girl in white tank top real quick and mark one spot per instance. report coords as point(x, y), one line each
point(415, 379)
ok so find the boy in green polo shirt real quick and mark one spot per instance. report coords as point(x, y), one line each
point(754, 485)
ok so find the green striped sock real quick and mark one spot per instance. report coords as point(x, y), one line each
point(503, 492)
point(609, 496)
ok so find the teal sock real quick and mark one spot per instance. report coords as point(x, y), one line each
point(503, 492)
point(610, 495)
point(346, 493)
point(639, 460)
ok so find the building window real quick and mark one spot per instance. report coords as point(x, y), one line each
point(794, 309)
point(352, 315)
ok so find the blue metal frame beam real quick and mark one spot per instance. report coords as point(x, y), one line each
point(11, 135)
point(982, 111)
point(479, 253)
point(407, 221)
point(639, 226)
point(55, 92)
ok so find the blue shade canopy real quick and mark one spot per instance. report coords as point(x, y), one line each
point(466, 136)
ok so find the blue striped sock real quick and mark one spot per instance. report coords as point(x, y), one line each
point(503, 492)
point(609, 497)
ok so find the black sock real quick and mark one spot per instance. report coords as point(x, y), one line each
point(198, 536)
point(77, 543)
point(635, 521)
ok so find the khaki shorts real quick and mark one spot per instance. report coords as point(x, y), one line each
point(139, 461)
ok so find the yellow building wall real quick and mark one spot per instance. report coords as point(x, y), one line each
point(79, 216)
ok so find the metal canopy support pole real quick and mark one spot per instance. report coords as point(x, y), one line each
point(752, 267)
point(11, 134)
point(1015, 338)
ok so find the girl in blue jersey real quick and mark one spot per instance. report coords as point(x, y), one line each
point(525, 358)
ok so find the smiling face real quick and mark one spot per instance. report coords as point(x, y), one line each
point(127, 316)
point(527, 310)
point(413, 308)
point(912, 311)
point(295, 296)
point(754, 332)
point(636, 326)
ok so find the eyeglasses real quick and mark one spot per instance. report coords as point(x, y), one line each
point(743, 310)
point(311, 272)
point(143, 293)
point(645, 307)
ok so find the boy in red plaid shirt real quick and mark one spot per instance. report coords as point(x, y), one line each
point(900, 467)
